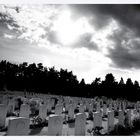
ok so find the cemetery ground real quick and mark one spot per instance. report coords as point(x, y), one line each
point(38, 114)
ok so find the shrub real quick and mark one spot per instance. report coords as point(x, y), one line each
point(136, 124)
point(121, 130)
point(38, 122)
point(95, 131)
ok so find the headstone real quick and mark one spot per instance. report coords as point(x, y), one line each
point(11, 106)
point(97, 119)
point(90, 108)
point(24, 111)
point(110, 120)
point(71, 112)
point(135, 112)
point(104, 109)
point(75, 105)
point(128, 117)
point(43, 112)
point(87, 106)
point(120, 106)
point(3, 113)
point(5, 100)
point(66, 106)
point(80, 124)
point(98, 108)
point(81, 108)
point(58, 109)
point(110, 107)
point(115, 106)
point(123, 106)
point(18, 126)
point(121, 118)
point(1, 99)
point(49, 105)
point(55, 125)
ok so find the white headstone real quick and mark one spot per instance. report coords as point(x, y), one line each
point(110, 120)
point(81, 108)
point(43, 111)
point(24, 111)
point(80, 124)
point(90, 108)
point(58, 109)
point(66, 106)
point(55, 125)
point(110, 107)
point(128, 117)
point(98, 109)
point(18, 126)
point(49, 105)
point(71, 112)
point(3, 113)
point(104, 109)
point(115, 106)
point(120, 106)
point(121, 117)
point(11, 106)
point(123, 106)
point(97, 122)
point(5, 100)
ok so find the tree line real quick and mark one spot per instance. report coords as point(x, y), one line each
point(37, 78)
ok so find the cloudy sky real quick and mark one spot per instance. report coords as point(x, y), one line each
point(91, 40)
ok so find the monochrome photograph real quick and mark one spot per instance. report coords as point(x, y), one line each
point(69, 70)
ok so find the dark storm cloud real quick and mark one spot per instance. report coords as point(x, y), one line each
point(5, 21)
point(127, 15)
point(126, 52)
point(123, 54)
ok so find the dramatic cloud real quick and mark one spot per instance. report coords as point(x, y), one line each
point(87, 39)
point(125, 14)
point(126, 51)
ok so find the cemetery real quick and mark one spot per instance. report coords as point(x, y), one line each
point(24, 113)
point(62, 69)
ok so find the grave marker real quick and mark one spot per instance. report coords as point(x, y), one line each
point(110, 120)
point(3, 113)
point(55, 125)
point(80, 124)
point(18, 126)
point(24, 111)
point(97, 119)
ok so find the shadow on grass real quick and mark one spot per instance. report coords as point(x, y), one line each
point(35, 131)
